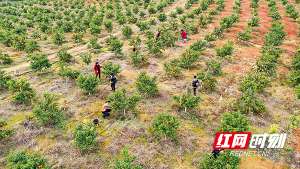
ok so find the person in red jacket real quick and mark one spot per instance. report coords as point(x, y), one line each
point(97, 69)
point(183, 36)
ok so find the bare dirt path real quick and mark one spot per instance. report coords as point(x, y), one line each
point(264, 24)
point(291, 42)
point(245, 56)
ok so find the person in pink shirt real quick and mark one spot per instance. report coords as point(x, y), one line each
point(183, 35)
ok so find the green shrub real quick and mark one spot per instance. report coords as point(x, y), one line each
point(274, 14)
point(18, 42)
point(154, 47)
point(48, 113)
point(31, 46)
point(267, 64)
point(165, 125)
point(203, 21)
point(276, 35)
point(271, 50)
point(209, 83)
point(110, 14)
point(210, 37)
point(294, 78)
point(245, 35)
point(126, 161)
point(94, 44)
point(132, 19)
point(115, 45)
point(143, 25)
point(297, 90)
point(228, 21)
point(95, 29)
point(5, 59)
point(39, 62)
point(88, 83)
point(225, 160)
point(218, 33)
point(213, 12)
point(294, 122)
point(2, 122)
point(127, 31)
point(214, 67)
point(122, 103)
point(86, 58)
point(291, 11)
point(187, 101)
point(151, 9)
point(121, 19)
point(188, 58)
point(68, 72)
point(77, 37)
point(254, 21)
point(179, 10)
point(221, 5)
point(4, 79)
point(296, 61)
point(85, 136)
point(234, 121)
point(146, 85)
point(26, 160)
point(191, 28)
point(162, 17)
point(273, 128)
point(58, 37)
point(161, 5)
point(225, 50)
point(167, 38)
point(199, 45)
point(108, 25)
point(255, 82)
point(135, 42)
point(138, 59)
point(64, 56)
point(4, 132)
point(172, 68)
point(249, 103)
point(22, 92)
point(109, 68)
point(254, 3)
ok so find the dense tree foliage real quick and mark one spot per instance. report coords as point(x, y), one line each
point(26, 160)
point(234, 121)
point(48, 113)
point(224, 161)
point(88, 83)
point(22, 91)
point(122, 103)
point(85, 136)
point(165, 125)
point(146, 85)
point(126, 161)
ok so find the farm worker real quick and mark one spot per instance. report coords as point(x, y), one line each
point(195, 84)
point(183, 36)
point(216, 152)
point(97, 69)
point(96, 122)
point(106, 109)
point(113, 82)
point(157, 35)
